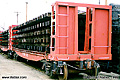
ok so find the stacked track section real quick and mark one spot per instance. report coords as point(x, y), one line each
point(116, 37)
point(114, 64)
point(34, 34)
point(0, 37)
point(5, 38)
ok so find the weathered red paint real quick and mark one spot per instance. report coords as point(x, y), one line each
point(10, 37)
point(3, 48)
point(66, 32)
point(30, 55)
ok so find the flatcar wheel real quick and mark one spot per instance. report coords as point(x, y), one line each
point(65, 75)
point(9, 54)
point(47, 72)
point(47, 69)
point(94, 71)
point(16, 56)
point(0, 50)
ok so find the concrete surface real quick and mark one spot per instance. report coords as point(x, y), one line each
point(15, 70)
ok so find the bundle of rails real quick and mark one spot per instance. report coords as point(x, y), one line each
point(65, 41)
point(114, 64)
point(4, 39)
point(34, 35)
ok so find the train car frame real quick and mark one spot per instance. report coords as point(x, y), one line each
point(64, 56)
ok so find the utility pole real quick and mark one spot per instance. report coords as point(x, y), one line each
point(105, 2)
point(26, 10)
point(99, 2)
point(2, 28)
point(17, 16)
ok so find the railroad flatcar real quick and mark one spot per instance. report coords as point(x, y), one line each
point(4, 41)
point(65, 41)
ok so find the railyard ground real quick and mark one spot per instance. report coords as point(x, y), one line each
point(11, 69)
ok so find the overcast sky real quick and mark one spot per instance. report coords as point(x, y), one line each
point(35, 8)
